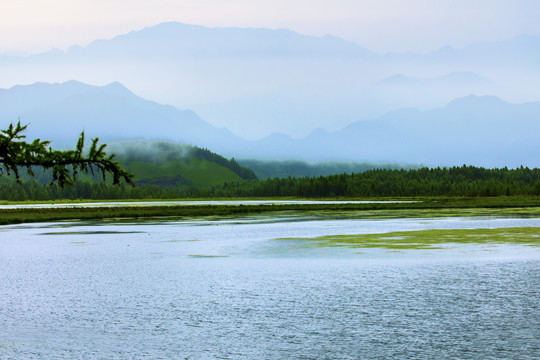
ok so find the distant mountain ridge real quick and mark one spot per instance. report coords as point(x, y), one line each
point(61, 111)
point(174, 39)
point(481, 130)
point(256, 82)
point(451, 79)
point(475, 130)
point(196, 40)
point(524, 48)
point(177, 40)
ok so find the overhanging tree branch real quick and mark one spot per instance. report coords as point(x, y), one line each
point(16, 153)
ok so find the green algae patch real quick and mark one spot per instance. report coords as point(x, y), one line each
point(425, 239)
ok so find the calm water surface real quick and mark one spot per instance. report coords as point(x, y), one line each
point(227, 288)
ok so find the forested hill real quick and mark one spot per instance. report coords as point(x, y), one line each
point(168, 163)
point(165, 163)
point(457, 181)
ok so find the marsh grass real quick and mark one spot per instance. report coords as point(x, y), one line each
point(425, 239)
point(425, 207)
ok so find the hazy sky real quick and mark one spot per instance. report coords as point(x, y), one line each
point(381, 25)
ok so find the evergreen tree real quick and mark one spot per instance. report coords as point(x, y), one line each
point(17, 154)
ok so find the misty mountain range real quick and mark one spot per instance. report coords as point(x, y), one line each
point(477, 130)
point(256, 82)
point(448, 80)
point(61, 111)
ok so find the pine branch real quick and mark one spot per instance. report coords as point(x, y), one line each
point(15, 153)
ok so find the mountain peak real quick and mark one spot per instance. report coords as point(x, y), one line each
point(476, 101)
point(169, 28)
point(396, 79)
point(175, 39)
point(117, 88)
point(443, 50)
point(72, 85)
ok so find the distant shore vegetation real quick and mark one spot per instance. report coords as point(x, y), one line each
point(464, 181)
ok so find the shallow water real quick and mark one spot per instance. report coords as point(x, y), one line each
point(197, 203)
point(229, 289)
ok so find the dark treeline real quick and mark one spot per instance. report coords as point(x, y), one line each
point(455, 181)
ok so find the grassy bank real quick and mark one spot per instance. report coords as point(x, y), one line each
point(425, 207)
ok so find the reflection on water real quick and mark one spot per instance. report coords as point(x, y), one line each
point(228, 288)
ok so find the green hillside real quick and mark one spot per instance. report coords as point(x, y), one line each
point(164, 164)
point(167, 163)
point(191, 171)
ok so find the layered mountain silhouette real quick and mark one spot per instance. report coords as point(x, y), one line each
point(259, 81)
point(59, 112)
point(523, 50)
point(480, 130)
point(176, 40)
point(448, 80)
point(424, 93)
point(477, 130)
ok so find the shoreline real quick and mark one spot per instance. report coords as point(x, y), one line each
point(422, 207)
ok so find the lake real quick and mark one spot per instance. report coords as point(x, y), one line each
point(263, 287)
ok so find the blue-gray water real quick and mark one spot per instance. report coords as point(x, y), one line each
point(155, 290)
